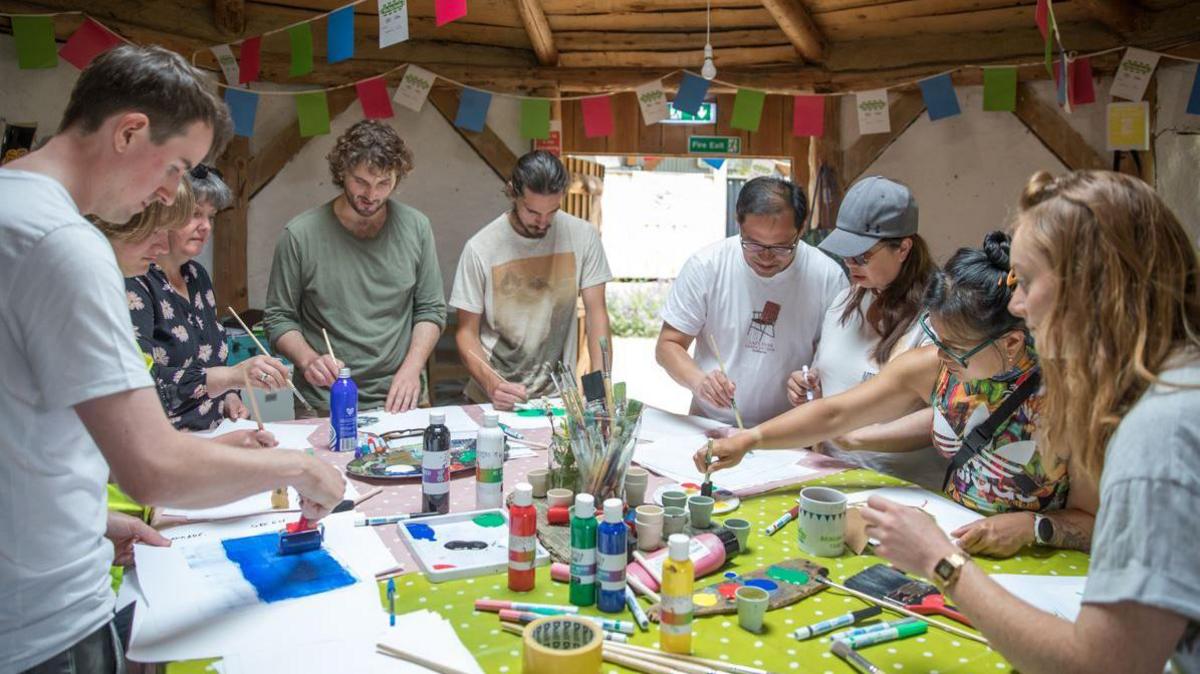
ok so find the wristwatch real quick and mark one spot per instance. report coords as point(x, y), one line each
point(948, 568)
point(1043, 529)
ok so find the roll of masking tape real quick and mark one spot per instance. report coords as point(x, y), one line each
point(562, 645)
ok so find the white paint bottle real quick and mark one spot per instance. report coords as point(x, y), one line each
point(489, 464)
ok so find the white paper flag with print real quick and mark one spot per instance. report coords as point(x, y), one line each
point(873, 112)
point(393, 22)
point(653, 100)
point(228, 63)
point(414, 88)
point(1133, 75)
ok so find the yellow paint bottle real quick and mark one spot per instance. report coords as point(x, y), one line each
point(678, 579)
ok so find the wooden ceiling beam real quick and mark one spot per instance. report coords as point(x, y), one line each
point(594, 40)
point(606, 6)
point(692, 59)
point(796, 23)
point(1121, 16)
point(539, 31)
point(230, 16)
point(636, 22)
point(1055, 132)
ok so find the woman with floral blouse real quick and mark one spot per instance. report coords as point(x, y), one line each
point(174, 313)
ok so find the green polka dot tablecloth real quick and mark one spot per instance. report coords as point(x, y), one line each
point(719, 637)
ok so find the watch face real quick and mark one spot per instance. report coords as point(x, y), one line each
point(944, 569)
point(1045, 530)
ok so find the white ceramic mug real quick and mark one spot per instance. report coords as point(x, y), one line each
point(822, 525)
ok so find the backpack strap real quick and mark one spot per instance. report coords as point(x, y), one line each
point(981, 435)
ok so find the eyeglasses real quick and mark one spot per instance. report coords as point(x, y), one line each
point(200, 172)
point(961, 358)
point(754, 247)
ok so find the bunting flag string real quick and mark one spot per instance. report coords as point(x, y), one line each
point(1072, 74)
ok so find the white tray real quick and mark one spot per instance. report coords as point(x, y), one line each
point(464, 563)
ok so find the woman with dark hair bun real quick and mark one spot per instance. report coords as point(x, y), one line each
point(981, 377)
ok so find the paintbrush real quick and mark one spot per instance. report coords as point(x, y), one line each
point(706, 489)
point(328, 346)
point(264, 352)
point(279, 497)
point(407, 656)
point(737, 415)
point(899, 608)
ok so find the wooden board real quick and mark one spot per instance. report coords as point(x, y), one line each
point(774, 579)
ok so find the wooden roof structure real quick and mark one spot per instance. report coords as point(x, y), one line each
point(545, 46)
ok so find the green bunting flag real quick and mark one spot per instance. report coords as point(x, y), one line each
point(34, 37)
point(535, 118)
point(312, 109)
point(1000, 89)
point(301, 38)
point(747, 109)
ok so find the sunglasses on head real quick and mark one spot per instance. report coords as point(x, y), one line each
point(200, 172)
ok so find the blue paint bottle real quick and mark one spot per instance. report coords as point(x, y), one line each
point(343, 412)
point(435, 466)
point(611, 557)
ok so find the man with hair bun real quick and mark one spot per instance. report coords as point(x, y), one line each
point(517, 284)
point(364, 268)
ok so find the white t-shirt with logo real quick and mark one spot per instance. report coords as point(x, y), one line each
point(844, 360)
point(65, 338)
point(764, 327)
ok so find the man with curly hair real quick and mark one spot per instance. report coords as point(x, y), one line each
point(364, 268)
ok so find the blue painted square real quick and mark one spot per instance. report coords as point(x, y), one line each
point(692, 91)
point(275, 577)
point(473, 109)
point(938, 93)
point(243, 106)
point(340, 34)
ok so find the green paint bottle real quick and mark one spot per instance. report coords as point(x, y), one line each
point(583, 551)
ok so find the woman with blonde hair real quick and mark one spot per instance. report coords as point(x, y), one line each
point(1109, 284)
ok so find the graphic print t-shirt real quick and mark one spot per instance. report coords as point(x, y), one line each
point(764, 327)
point(526, 290)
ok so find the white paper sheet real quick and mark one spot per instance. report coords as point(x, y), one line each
point(256, 504)
point(518, 422)
point(185, 616)
point(949, 515)
point(456, 420)
point(431, 636)
point(658, 425)
point(289, 435)
point(1059, 595)
point(671, 457)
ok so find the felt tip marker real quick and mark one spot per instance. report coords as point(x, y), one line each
point(783, 520)
point(808, 393)
point(635, 608)
point(494, 605)
point(609, 624)
point(391, 519)
point(855, 660)
point(877, 627)
point(834, 623)
point(890, 634)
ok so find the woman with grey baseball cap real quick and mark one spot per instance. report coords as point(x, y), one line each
point(872, 322)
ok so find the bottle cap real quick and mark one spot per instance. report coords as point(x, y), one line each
point(585, 505)
point(523, 495)
point(491, 419)
point(729, 541)
point(344, 374)
point(614, 510)
point(437, 418)
point(679, 545)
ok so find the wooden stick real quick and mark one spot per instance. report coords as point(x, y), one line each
point(625, 660)
point(369, 495)
point(640, 587)
point(328, 346)
point(486, 364)
point(737, 415)
point(716, 664)
point(899, 608)
point(641, 559)
point(253, 401)
point(389, 573)
point(400, 654)
point(264, 352)
point(666, 660)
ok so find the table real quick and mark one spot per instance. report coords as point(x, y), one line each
point(716, 637)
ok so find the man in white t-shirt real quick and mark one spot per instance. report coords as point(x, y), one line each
point(517, 285)
point(76, 401)
point(760, 296)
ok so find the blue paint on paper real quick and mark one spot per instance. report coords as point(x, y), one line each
point(243, 105)
point(692, 90)
point(763, 583)
point(472, 109)
point(275, 577)
point(939, 96)
point(421, 532)
point(340, 34)
point(1193, 106)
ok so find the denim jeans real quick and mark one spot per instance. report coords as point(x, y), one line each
point(98, 653)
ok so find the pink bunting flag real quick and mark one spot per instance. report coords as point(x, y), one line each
point(446, 11)
point(808, 116)
point(1042, 16)
point(90, 41)
point(249, 61)
point(373, 96)
point(1083, 87)
point(597, 116)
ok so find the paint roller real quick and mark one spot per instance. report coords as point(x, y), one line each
point(301, 536)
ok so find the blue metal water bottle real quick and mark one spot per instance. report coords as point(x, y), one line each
point(343, 412)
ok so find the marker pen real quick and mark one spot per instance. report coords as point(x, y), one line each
point(636, 609)
point(783, 520)
point(494, 605)
point(808, 393)
point(890, 634)
point(834, 623)
point(887, 624)
point(391, 519)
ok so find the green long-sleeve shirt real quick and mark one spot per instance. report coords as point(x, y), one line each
point(368, 293)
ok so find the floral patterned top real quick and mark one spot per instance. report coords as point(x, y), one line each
point(183, 338)
point(986, 482)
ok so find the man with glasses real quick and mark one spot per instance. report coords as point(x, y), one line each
point(759, 298)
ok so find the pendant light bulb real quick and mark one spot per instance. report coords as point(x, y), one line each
point(708, 71)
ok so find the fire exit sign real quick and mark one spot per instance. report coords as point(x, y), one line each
point(714, 145)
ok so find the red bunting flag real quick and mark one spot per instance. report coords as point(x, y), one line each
point(249, 62)
point(446, 11)
point(373, 96)
point(1042, 16)
point(88, 42)
point(1083, 87)
point(597, 116)
point(808, 116)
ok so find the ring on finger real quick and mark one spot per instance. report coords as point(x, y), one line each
point(263, 376)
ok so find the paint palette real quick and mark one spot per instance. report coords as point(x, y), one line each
point(786, 583)
point(726, 501)
point(405, 462)
point(462, 545)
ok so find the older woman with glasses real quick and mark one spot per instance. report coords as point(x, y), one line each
point(982, 378)
point(174, 312)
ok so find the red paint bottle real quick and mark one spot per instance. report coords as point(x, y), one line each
point(522, 539)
